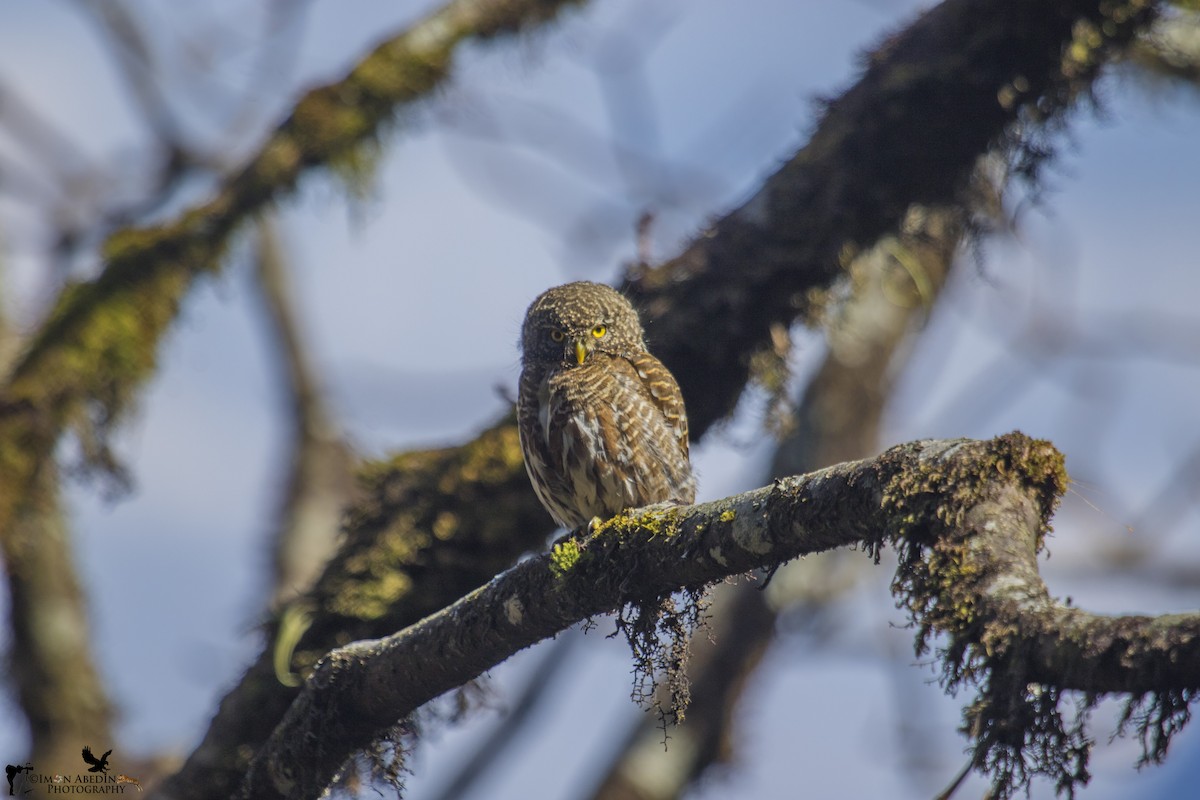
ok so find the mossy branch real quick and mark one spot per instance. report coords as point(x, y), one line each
point(965, 78)
point(100, 343)
point(428, 527)
point(967, 516)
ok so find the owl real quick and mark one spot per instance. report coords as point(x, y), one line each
point(602, 422)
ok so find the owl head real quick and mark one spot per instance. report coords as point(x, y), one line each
point(568, 323)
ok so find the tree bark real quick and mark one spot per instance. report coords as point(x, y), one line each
point(978, 509)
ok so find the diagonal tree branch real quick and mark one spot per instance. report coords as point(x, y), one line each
point(100, 342)
point(965, 78)
point(320, 472)
point(988, 503)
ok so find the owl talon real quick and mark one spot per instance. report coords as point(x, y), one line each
point(578, 535)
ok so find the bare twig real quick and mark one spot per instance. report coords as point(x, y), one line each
point(320, 476)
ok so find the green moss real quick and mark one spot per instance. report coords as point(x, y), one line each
point(1018, 729)
point(564, 556)
point(417, 512)
point(370, 594)
point(936, 580)
point(656, 521)
point(293, 622)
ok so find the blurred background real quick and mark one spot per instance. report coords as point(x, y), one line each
point(1074, 320)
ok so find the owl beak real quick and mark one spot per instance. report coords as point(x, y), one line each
point(581, 351)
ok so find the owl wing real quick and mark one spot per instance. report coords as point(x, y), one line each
point(660, 384)
point(537, 410)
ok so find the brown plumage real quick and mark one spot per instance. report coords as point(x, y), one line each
point(602, 422)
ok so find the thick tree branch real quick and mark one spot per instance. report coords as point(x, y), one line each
point(933, 99)
point(991, 500)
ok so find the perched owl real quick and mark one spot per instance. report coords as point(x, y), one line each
point(602, 423)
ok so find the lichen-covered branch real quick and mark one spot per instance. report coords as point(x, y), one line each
point(932, 99)
point(99, 344)
point(973, 578)
point(963, 513)
point(428, 527)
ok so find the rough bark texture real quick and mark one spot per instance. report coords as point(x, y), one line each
point(977, 510)
point(971, 574)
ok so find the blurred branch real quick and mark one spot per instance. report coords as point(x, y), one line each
point(51, 668)
point(283, 17)
point(57, 684)
point(100, 342)
point(1170, 49)
point(320, 477)
point(54, 151)
point(135, 59)
point(894, 288)
point(976, 511)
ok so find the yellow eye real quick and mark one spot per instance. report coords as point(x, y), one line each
point(557, 336)
point(599, 331)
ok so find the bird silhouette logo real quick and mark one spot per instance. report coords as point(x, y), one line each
point(14, 773)
point(96, 764)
